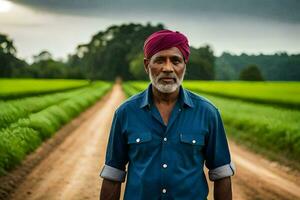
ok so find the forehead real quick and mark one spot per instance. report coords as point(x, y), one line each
point(171, 52)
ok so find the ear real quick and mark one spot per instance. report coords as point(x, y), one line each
point(146, 65)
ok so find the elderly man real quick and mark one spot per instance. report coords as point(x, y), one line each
point(166, 134)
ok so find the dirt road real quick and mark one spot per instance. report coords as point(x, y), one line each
point(71, 170)
point(260, 178)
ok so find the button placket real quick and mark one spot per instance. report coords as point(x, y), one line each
point(164, 164)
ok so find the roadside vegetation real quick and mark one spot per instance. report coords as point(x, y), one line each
point(25, 123)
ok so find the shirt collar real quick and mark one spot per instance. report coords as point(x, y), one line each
point(184, 97)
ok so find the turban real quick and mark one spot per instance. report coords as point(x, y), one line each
point(166, 39)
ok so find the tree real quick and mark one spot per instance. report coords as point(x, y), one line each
point(6, 45)
point(251, 73)
point(136, 67)
point(9, 63)
point(201, 64)
point(44, 66)
point(278, 66)
point(223, 70)
point(43, 56)
point(110, 52)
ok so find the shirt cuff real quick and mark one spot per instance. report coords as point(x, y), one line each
point(221, 172)
point(113, 174)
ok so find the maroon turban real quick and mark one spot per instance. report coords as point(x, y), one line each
point(166, 39)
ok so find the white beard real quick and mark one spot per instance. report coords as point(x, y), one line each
point(166, 88)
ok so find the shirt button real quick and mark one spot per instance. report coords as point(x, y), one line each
point(165, 165)
point(194, 141)
point(138, 140)
point(165, 139)
point(164, 190)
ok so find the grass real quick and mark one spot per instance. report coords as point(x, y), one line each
point(269, 129)
point(13, 110)
point(24, 134)
point(19, 88)
point(283, 94)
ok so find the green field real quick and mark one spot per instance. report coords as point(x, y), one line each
point(13, 110)
point(16, 88)
point(272, 130)
point(26, 122)
point(283, 94)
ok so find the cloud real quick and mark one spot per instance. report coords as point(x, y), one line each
point(279, 10)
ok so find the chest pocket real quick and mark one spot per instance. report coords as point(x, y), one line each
point(193, 139)
point(139, 138)
point(192, 142)
point(140, 145)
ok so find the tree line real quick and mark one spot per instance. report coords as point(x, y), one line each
point(277, 67)
point(118, 52)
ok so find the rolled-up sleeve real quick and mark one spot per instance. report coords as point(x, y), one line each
point(116, 152)
point(217, 155)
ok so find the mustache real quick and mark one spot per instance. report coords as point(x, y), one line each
point(164, 75)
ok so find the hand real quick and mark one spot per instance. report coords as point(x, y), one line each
point(110, 190)
point(222, 189)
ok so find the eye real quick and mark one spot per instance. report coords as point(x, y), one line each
point(176, 61)
point(159, 61)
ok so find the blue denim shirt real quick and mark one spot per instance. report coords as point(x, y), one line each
point(166, 161)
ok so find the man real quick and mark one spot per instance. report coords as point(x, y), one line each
point(166, 134)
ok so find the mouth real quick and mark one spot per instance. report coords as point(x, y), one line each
point(168, 79)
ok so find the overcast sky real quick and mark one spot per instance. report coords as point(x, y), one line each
point(250, 26)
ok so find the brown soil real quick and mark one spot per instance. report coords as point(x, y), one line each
point(260, 178)
point(257, 178)
point(68, 167)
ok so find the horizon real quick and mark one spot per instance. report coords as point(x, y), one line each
point(36, 26)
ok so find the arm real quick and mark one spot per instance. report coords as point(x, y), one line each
point(113, 172)
point(218, 159)
point(110, 190)
point(222, 189)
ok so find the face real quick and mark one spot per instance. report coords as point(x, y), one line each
point(166, 69)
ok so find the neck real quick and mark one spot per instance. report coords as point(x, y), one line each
point(164, 98)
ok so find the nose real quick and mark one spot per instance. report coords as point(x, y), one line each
point(168, 67)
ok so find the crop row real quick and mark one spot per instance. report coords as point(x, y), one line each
point(19, 88)
point(13, 110)
point(25, 134)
